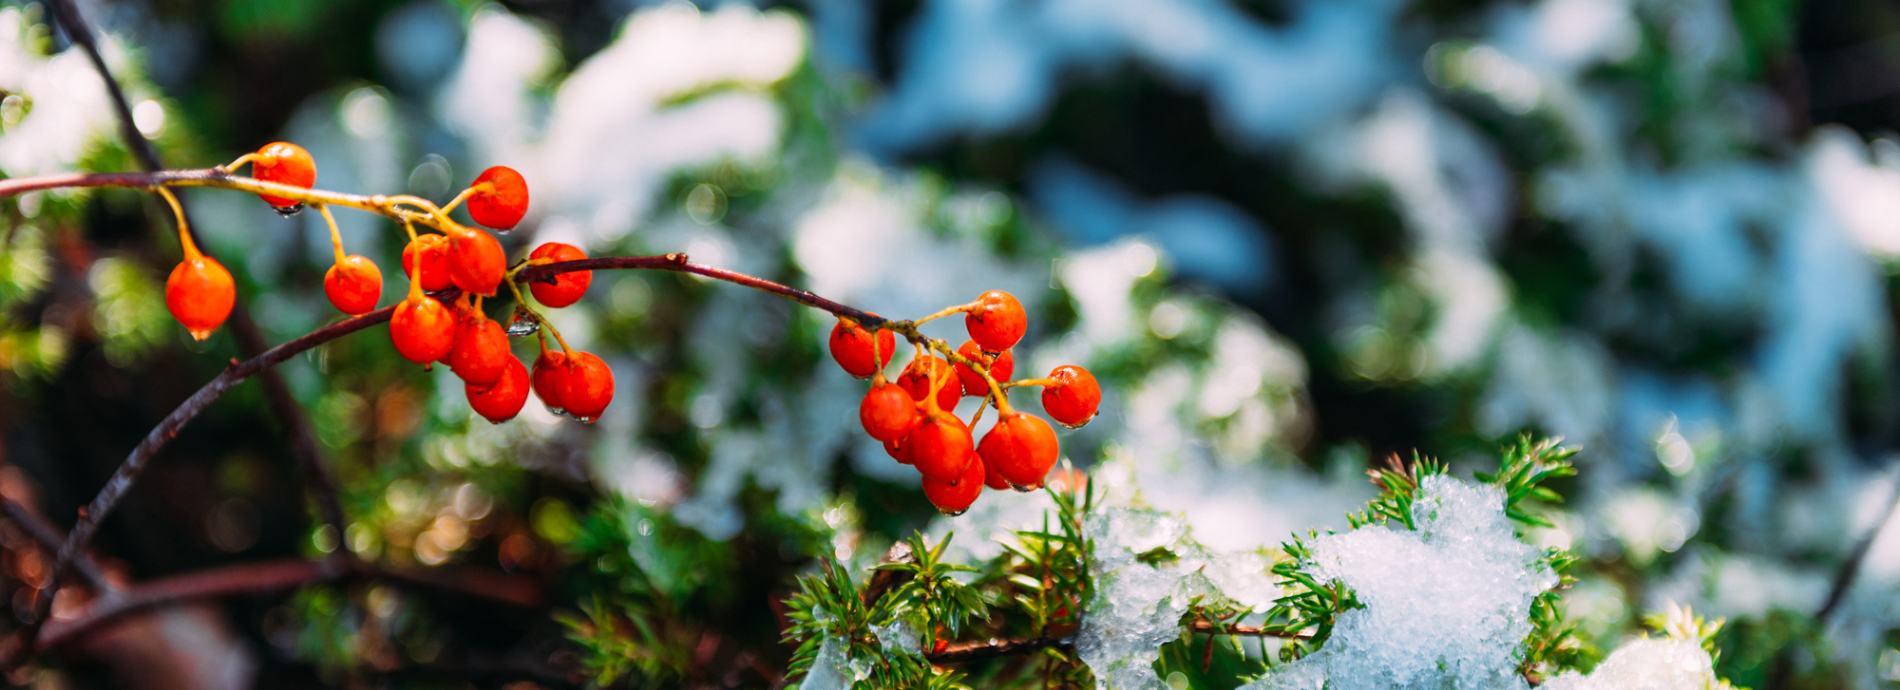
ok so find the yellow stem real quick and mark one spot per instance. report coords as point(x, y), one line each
point(1032, 382)
point(336, 236)
point(415, 266)
point(240, 162)
point(184, 233)
point(946, 312)
point(459, 198)
point(523, 303)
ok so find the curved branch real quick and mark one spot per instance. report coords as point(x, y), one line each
point(978, 651)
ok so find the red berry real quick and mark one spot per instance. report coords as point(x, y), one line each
point(1000, 368)
point(932, 371)
point(887, 412)
point(502, 203)
point(480, 354)
point(353, 285)
point(990, 478)
point(476, 261)
point(434, 250)
point(423, 330)
point(899, 450)
point(200, 295)
point(851, 346)
point(567, 288)
point(501, 400)
point(997, 322)
point(1073, 399)
point(941, 448)
point(550, 376)
point(587, 386)
point(1021, 449)
point(952, 498)
point(284, 163)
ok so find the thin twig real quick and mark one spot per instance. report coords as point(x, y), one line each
point(978, 651)
point(1211, 628)
point(50, 538)
point(1844, 578)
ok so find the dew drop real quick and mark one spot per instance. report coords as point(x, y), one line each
point(586, 420)
point(199, 335)
point(1080, 424)
point(558, 412)
point(954, 513)
point(288, 211)
point(521, 328)
point(1024, 489)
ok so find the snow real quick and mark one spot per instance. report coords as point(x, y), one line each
point(1648, 664)
point(1446, 606)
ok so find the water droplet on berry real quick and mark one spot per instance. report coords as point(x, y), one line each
point(558, 412)
point(288, 211)
point(1024, 489)
point(954, 513)
point(586, 420)
point(521, 328)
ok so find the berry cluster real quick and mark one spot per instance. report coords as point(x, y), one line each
point(915, 416)
point(424, 328)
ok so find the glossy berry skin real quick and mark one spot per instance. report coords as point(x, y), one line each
point(941, 448)
point(476, 261)
point(550, 377)
point(899, 450)
point(587, 386)
point(284, 163)
point(1074, 398)
point(997, 321)
point(990, 478)
point(1021, 449)
point(200, 295)
point(1001, 367)
point(434, 250)
point(353, 285)
point(954, 498)
point(423, 330)
point(480, 355)
point(918, 377)
point(567, 288)
point(851, 347)
point(503, 203)
point(502, 400)
point(887, 412)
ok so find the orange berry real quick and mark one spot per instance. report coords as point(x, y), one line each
point(1073, 400)
point(941, 448)
point(952, 498)
point(502, 400)
point(200, 295)
point(887, 412)
point(284, 163)
point(503, 202)
point(587, 386)
point(480, 355)
point(1000, 368)
point(476, 261)
point(899, 450)
point(997, 322)
point(353, 285)
point(567, 288)
point(990, 478)
point(423, 330)
point(550, 376)
point(851, 346)
point(918, 379)
point(434, 250)
point(1021, 449)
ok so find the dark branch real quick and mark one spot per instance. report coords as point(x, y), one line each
point(1844, 578)
point(978, 651)
point(50, 539)
point(678, 263)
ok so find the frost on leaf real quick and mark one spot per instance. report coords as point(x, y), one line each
point(1446, 606)
point(1650, 664)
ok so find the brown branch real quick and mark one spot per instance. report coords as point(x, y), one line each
point(268, 577)
point(50, 539)
point(992, 649)
point(679, 264)
point(1210, 628)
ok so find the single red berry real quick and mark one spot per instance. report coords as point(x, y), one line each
point(1074, 398)
point(887, 412)
point(851, 346)
point(480, 354)
point(587, 386)
point(434, 250)
point(550, 376)
point(1021, 449)
point(501, 400)
point(502, 202)
point(284, 163)
point(200, 295)
point(567, 288)
point(476, 261)
point(941, 447)
point(1000, 368)
point(353, 285)
point(997, 322)
point(952, 498)
point(899, 449)
point(932, 371)
point(423, 330)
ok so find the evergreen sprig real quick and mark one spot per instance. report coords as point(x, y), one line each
point(1526, 466)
